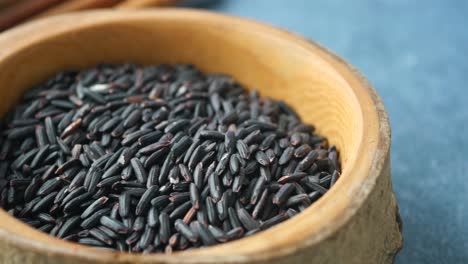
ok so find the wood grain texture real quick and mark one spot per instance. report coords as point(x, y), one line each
point(355, 222)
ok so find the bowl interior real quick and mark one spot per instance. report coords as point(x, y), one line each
point(276, 63)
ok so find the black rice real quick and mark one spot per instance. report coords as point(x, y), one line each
point(157, 159)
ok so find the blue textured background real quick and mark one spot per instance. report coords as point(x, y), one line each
point(415, 53)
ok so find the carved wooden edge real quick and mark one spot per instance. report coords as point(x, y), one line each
point(391, 227)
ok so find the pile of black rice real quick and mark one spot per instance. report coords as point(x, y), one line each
point(157, 159)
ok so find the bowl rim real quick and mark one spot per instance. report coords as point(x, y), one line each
point(375, 131)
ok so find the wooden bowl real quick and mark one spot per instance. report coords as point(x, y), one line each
point(357, 221)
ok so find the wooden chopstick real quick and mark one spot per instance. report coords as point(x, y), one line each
point(32, 9)
point(76, 5)
point(19, 12)
point(146, 3)
point(6, 3)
